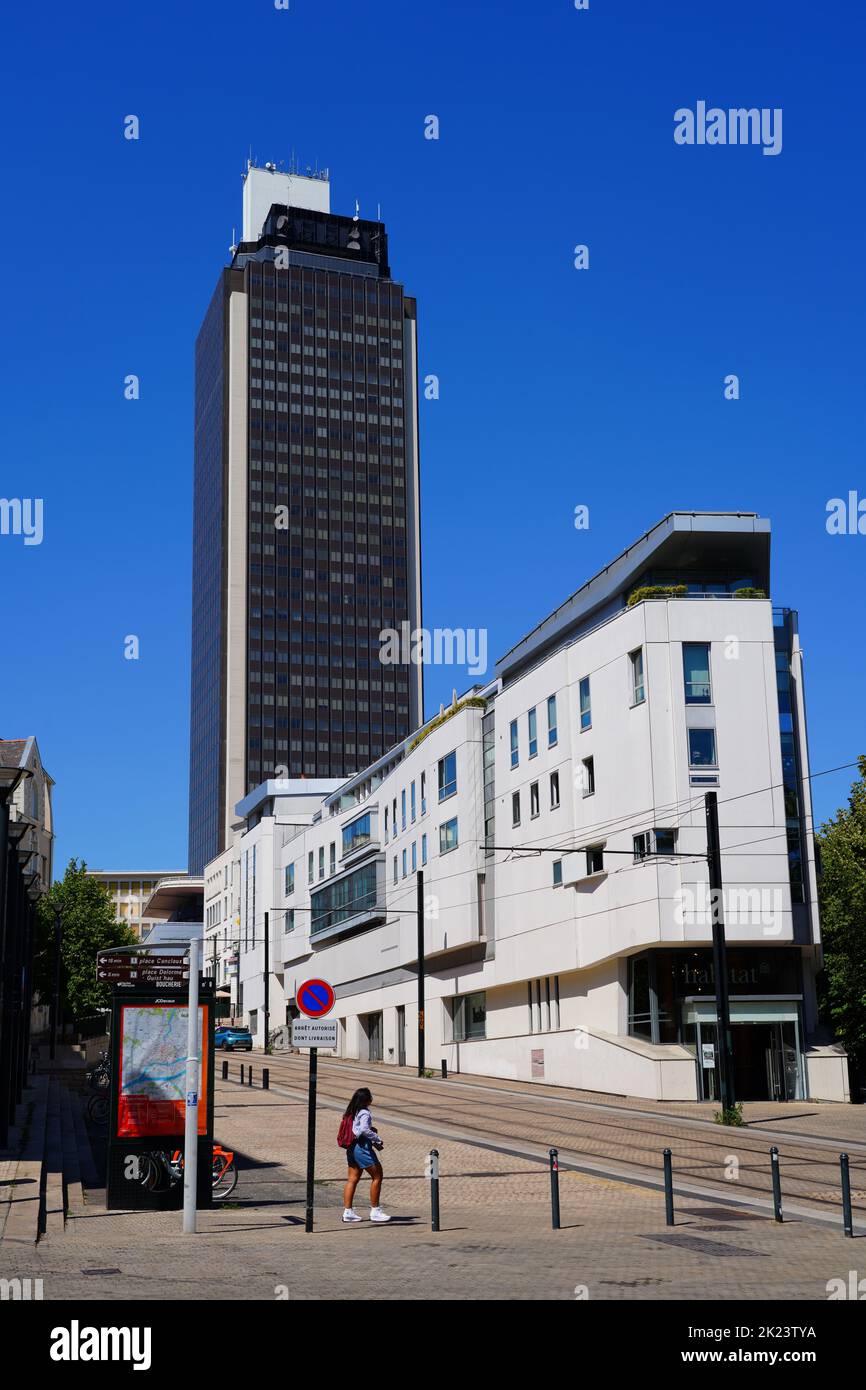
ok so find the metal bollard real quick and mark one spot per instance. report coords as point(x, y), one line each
point(225, 1071)
point(847, 1214)
point(242, 1073)
point(250, 1081)
point(777, 1183)
point(669, 1189)
point(554, 1189)
point(433, 1164)
point(444, 1070)
point(266, 1078)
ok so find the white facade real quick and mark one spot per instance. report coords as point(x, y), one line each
point(269, 185)
point(559, 947)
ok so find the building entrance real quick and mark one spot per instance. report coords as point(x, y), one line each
point(767, 1052)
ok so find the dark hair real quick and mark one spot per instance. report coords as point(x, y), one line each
point(359, 1101)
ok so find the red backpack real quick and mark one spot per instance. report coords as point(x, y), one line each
point(346, 1134)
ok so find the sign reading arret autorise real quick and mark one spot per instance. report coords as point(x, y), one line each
point(315, 998)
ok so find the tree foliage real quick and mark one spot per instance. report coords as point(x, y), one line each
point(88, 926)
point(842, 843)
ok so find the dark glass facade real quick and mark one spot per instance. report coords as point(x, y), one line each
point(207, 750)
point(331, 520)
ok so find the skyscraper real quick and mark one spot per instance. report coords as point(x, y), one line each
point(306, 541)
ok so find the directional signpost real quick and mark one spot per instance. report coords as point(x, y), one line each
point(314, 998)
point(129, 971)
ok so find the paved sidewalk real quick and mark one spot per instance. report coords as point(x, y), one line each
point(496, 1241)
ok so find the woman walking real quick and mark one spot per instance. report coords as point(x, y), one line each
point(360, 1138)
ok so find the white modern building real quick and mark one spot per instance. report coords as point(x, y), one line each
point(552, 823)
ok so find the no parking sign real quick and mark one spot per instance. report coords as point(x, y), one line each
point(315, 998)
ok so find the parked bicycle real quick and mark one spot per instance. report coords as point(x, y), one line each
point(99, 1075)
point(159, 1170)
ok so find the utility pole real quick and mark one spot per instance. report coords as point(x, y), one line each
point(190, 1128)
point(421, 968)
point(267, 983)
point(720, 955)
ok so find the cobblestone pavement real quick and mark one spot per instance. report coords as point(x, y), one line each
point(495, 1243)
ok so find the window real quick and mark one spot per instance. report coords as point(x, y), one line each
point(696, 673)
point(423, 850)
point(414, 855)
point(638, 693)
point(595, 859)
point(346, 898)
point(552, 732)
point(290, 879)
point(702, 748)
point(357, 834)
point(394, 819)
point(557, 873)
point(403, 809)
point(395, 869)
point(423, 793)
point(588, 776)
point(469, 1012)
point(533, 800)
point(533, 733)
point(447, 776)
point(404, 863)
point(311, 872)
point(515, 808)
point(641, 845)
point(554, 790)
point(321, 861)
point(332, 858)
point(665, 841)
point(585, 708)
point(386, 823)
point(515, 752)
point(290, 920)
point(448, 836)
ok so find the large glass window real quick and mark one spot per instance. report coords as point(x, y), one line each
point(447, 776)
point(290, 879)
point(533, 733)
point(515, 808)
point(470, 1017)
point(702, 748)
point(585, 706)
point(346, 898)
point(515, 753)
point(357, 833)
point(696, 673)
point(448, 836)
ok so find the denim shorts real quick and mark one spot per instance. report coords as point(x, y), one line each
point(361, 1155)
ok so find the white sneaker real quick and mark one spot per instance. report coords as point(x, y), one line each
point(350, 1216)
point(377, 1214)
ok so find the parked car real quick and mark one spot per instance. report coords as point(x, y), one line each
point(233, 1039)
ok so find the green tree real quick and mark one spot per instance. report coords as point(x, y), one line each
point(87, 915)
point(842, 843)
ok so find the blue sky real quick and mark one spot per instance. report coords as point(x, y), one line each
point(558, 387)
